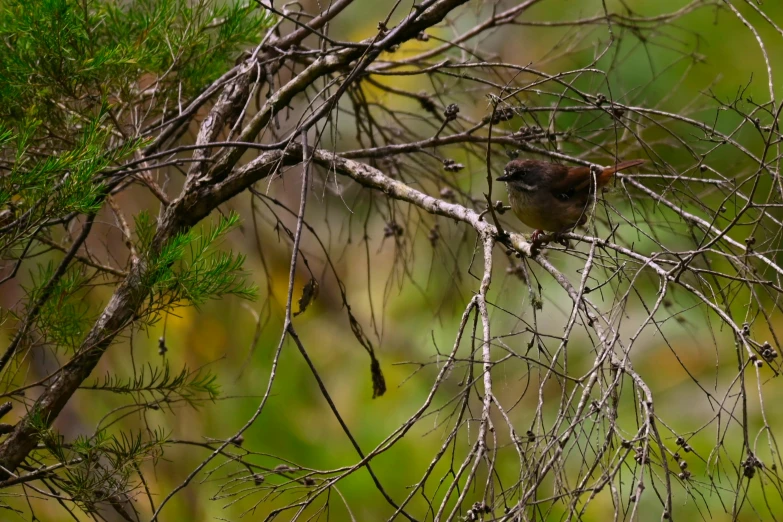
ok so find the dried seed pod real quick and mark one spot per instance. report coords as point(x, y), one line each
point(447, 194)
point(504, 114)
point(449, 165)
point(426, 102)
point(434, 235)
point(451, 112)
point(162, 349)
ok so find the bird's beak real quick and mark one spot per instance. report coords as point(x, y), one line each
point(505, 177)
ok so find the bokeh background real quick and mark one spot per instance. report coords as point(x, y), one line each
point(410, 310)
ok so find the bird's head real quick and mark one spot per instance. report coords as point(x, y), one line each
point(523, 175)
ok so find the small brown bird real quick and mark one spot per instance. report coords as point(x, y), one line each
point(552, 197)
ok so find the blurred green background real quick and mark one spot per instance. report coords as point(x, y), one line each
point(410, 323)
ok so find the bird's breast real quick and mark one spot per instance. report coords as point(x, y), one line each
point(540, 210)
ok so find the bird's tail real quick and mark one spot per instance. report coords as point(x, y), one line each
point(622, 166)
point(608, 172)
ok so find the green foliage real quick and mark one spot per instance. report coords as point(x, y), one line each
point(103, 467)
point(69, 72)
point(62, 56)
point(206, 274)
point(78, 80)
point(153, 385)
point(59, 184)
point(188, 269)
point(6, 134)
point(64, 317)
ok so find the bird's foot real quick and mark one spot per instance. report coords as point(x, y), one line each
point(557, 238)
point(537, 240)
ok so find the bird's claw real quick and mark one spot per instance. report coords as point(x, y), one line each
point(538, 240)
point(562, 241)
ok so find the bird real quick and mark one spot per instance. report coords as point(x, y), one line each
point(552, 197)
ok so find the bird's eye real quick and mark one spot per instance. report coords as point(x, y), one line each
point(514, 172)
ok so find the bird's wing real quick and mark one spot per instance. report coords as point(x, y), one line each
point(579, 179)
point(572, 181)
